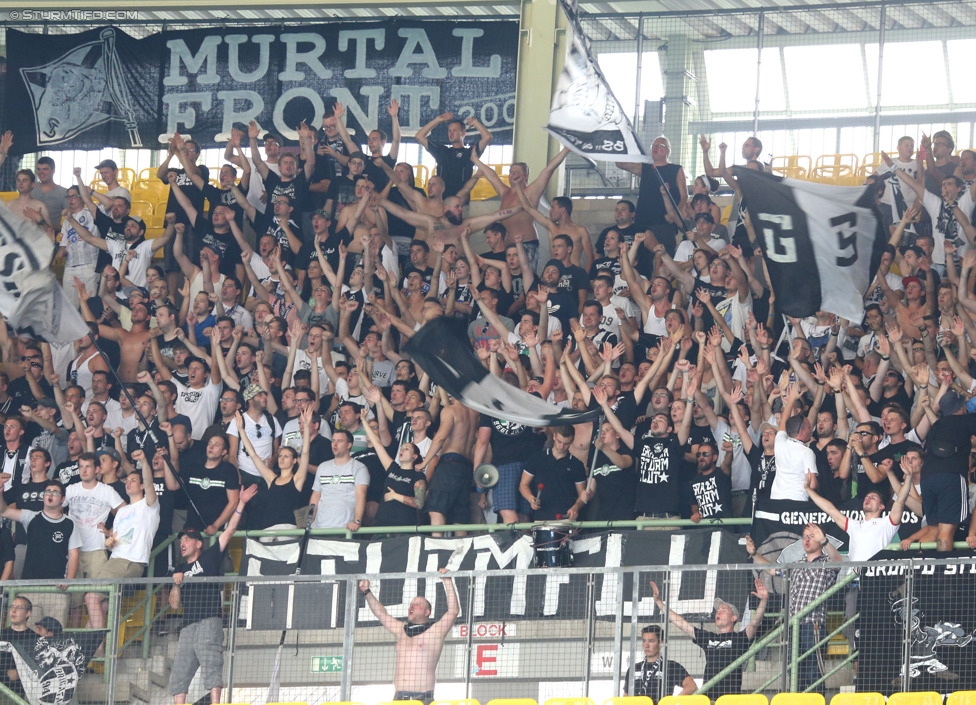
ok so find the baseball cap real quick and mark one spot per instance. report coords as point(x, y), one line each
point(911, 280)
point(719, 602)
point(950, 403)
point(270, 136)
point(557, 264)
point(110, 452)
point(130, 290)
point(46, 402)
point(138, 221)
point(107, 163)
point(358, 155)
point(321, 212)
point(191, 533)
point(919, 252)
point(770, 426)
point(707, 217)
point(252, 391)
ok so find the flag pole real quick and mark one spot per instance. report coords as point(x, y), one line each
point(660, 179)
point(152, 434)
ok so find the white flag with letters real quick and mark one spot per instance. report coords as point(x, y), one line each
point(585, 115)
point(822, 243)
point(31, 299)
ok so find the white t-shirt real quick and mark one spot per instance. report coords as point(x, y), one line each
point(136, 525)
point(686, 248)
point(199, 405)
point(337, 487)
point(87, 508)
point(291, 435)
point(263, 446)
point(136, 270)
point(868, 536)
point(793, 461)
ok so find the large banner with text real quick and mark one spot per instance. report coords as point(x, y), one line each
point(105, 88)
point(536, 593)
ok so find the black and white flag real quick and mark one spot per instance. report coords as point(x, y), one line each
point(585, 115)
point(442, 349)
point(31, 299)
point(822, 243)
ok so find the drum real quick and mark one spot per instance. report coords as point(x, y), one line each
point(551, 543)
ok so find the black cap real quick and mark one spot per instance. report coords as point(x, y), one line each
point(51, 624)
point(107, 163)
point(707, 217)
point(192, 533)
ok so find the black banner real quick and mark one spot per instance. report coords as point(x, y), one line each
point(778, 517)
point(939, 606)
point(104, 88)
point(541, 594)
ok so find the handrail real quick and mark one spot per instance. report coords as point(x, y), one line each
point(803, 612)
point(11, 696)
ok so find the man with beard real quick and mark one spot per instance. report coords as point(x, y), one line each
point(710, 489)
point(418, 642)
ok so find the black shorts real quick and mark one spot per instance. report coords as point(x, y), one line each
point(944, 498)
point(450, 489)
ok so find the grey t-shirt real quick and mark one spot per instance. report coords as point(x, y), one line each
point(56, 201)
point(337, 485)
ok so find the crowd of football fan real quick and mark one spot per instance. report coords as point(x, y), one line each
point(263, 347)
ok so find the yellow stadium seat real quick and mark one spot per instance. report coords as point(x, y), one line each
point(726, 214)
point(483, 190)
point(143, 209)
point(8, 195)
point(796, 166)
point(858, 699)
point(421, 175)
point(838, 169)
point(797, 699)
point(923, 698)
point(512, 701)
point(629, 700)
point(684, 700)
point(127, 176)
point(573, 700)
point(962, 697)
point(750, 699)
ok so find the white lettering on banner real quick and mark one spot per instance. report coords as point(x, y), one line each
point(303, 52)
point(779, 247)
point(602, 661)
point(701, 604)
point(484, 630)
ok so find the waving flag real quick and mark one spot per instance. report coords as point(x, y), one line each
point(822, 243)
point(585, 115)
point(445, 353)
point(30, 297)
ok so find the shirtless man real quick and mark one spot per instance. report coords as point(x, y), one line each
point(451, 224)
point(28, 207)
point(560, 222)
point(418, 642)
point(518, 177)
point(448, 464)
point(132, 343)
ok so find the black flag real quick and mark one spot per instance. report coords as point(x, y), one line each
point(823, 243)
point(444, 352)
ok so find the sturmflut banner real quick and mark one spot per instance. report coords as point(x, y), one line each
point(535, 594)
point(104, 87)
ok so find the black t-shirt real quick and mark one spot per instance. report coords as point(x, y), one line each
point(218, 196)
point(828, 486)
point(948, 445)
point(511, 442)
point(720, 651)
point(224, 244)
point(296, 189)
point(189, 189)
point(562, 306)
point(605, 265)
point(47, 548)
point(207, 487)
point(615, 488)
point(400, 228)
point(763, 471)
point(574, 279)
point(559, 477)
point(67, 473)
point(166, 499)
point(901, 398)
point(864, 483)
point(29, 495)
point(394, 513)
point(453, 165)
point(659, 473)
point(376, 174)
point(377, 473)
point(269, 224)
point(648, 677)
point(274, 505)
point(330, 250)
point(202, 600)
point(712, 494)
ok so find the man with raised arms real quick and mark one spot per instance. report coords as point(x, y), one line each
point(418, 641)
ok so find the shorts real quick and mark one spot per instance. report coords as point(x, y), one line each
point(505, 494)
point(944, 498)
point(426, 697)
point(450, 489)
point(201, 646)
point(90, 563)
point(119, 569)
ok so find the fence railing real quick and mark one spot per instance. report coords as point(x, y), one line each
point(543, 633)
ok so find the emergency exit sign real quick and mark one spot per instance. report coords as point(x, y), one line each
point(326, 664)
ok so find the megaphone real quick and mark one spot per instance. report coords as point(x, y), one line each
point(486, 476)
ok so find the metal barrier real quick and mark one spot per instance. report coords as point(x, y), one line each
point(545, 633)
